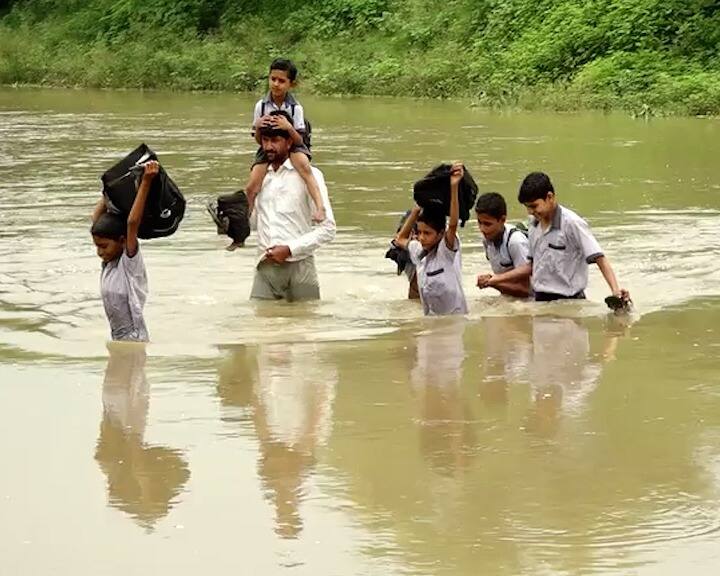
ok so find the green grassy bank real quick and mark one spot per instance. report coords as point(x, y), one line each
point(659, 56)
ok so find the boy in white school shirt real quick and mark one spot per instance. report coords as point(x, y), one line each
point(561, 247)
point(436, 253)
point(506, 246)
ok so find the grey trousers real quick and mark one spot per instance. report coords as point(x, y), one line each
point(292, 281)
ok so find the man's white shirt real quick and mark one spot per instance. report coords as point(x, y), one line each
point(283, 213)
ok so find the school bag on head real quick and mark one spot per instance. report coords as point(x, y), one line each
point(165, 206)
point(434, 187)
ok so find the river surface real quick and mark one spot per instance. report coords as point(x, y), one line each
point(352, 436)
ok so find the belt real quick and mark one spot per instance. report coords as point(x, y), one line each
point(550, 296)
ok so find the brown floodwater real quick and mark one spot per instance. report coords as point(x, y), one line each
point(353, 436)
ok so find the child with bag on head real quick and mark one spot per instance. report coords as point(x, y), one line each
point(436, 252)
point(123, 280)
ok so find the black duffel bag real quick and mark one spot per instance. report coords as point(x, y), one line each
point(165, 206)
point(234, 210)
point(435, 187)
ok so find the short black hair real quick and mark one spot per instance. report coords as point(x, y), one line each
point(535, 186)
point(285, 65)
point(492, 204)
point(434, 216)
point(270, 131)
point(109, 225)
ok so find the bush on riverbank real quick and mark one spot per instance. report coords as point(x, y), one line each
point(632, 54)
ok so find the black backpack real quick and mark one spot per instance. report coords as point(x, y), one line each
point(235, 209)
point(165, 206)
point(306, 135)
point(434, 189)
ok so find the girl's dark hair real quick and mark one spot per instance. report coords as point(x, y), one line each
point(434, 216)
point(109, 225)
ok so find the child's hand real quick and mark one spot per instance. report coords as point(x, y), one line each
point(151, 169)
point(483, 281)
point(319, 215)
point(623, 294)
point(279, 122)
point(457, 171)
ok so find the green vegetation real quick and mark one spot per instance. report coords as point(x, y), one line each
point(642, 55)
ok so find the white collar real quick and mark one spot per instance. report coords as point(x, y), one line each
point(287, 165)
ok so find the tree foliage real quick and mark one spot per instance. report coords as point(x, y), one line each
point(604, 53)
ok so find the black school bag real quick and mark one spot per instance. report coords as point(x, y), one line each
point(235, 208)
point(165, 206)
point(435, 187)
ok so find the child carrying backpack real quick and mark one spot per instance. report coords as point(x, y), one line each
point(506, 246)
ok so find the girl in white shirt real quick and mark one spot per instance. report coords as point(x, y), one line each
point(436, 252)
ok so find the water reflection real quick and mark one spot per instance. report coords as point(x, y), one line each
point(447, 438)
point(289, 390)
point(562, 372)
point(507, 352)
point(142, 479)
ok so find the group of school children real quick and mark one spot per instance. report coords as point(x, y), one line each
point(550, 263)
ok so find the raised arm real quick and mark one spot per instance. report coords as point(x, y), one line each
point(138, 208)
point(456, 173)
point(99, 210)
point(403, 236)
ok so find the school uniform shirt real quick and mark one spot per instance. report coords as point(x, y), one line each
point(439, 274)
point(283, 214)
point(560, 255)
point(290, 105)
point(507, 252)
point(124, 288)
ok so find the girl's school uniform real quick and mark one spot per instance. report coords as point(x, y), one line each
point(124, 288)
point(439, 274)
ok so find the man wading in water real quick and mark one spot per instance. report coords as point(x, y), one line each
point(286, 237)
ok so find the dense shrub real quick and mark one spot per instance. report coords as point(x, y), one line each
point(558, 53)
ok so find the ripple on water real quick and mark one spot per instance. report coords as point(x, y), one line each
point(681, 517)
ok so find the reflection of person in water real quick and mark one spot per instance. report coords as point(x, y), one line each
point(142, 479)
point(561, 372)
point(292, 398)
point(447, 438)
point(508, 348)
